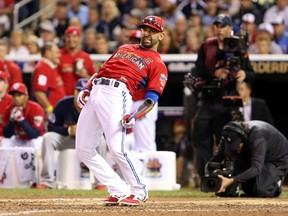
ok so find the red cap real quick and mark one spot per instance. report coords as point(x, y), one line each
point(154, 22)
point(3, 76)
point(73, 30)
point(135, 34)
point(18, 87)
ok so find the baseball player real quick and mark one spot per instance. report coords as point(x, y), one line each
point(108, 110)
point(23, 120)
point(74, 62)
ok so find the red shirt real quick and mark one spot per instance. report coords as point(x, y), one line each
point(33, 113)
point(137, 67)
point(139, 94)
point(48, 80)
point(67, 70)
point(5, 102)
point(13, 72)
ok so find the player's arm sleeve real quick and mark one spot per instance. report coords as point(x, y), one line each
point(56, 120)
point(30, 131)
point(8, 130)
point(152, 95)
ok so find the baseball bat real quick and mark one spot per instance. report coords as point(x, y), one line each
point(142, 108)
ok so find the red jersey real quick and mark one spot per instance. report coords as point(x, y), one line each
point(13, 72)
point(139, 94)
point(137, 67)
point(67, 68)
point(47, 79)
point(5, 102)
point(33, 113)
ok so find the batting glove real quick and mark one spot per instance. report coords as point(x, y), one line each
point(18, 114)
point(128, 123)
point(83, 97)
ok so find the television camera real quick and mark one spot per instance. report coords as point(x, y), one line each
point(211, 182)
point(235, 47)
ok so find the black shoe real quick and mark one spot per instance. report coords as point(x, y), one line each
point(231, 191)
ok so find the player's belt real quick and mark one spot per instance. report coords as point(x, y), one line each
point(104, 81)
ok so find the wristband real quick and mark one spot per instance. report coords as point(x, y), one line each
point(49, 108)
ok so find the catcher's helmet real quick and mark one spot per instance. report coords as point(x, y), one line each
point(154, 22)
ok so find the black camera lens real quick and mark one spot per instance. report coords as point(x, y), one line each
point(211, 183)
point(232, 44)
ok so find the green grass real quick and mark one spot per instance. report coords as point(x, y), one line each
point(185, 192)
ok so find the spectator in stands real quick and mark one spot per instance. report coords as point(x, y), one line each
point(192, 44)
point(77, 9)
point(263, 46)
point(111, 17)
point(89, 40)
point(94, 20)
point(61, 134)
point(280, 35)
point(11, 69)
point(5, 26)
point(101, 47)
point(249, 26)
point(60, 20)
point(190, 6)
point(32, 44)
point(5, 100)
point(168, 45)
point(47, 84)
point(17, 45)
point(247, 6)
point(47, 33)
point(254, 108)
point(74, 62)
point(34, 49)
point(132, 19)
point(181, 28)
point(280, 9)
point(143, 8)
point(6, 7)
point(122, 37)
point(195, 22)
point(75, 21)
point(102, 44)
point(169, 12)
point(265, 31)
point(23, 120)
point(211, 11)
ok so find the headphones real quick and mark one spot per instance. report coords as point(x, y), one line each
point(236, 127)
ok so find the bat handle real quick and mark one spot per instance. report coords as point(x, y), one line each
point(148, 103)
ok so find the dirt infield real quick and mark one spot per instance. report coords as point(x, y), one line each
point(154, 206)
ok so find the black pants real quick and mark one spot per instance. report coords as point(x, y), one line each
point(208, 123)
point(265, 185)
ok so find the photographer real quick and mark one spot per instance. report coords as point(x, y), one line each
point(260, 156)
point(218, 78)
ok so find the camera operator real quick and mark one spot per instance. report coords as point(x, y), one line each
point(219, 80)
point(260, 156)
